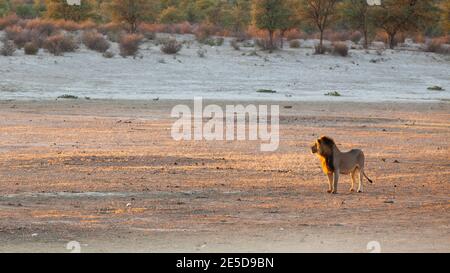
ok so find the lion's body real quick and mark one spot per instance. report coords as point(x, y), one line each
point(335, 162)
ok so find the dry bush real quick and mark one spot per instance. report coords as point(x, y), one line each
point(325, 49)
point(265, 44)
point(8, 21)
point(340, 48)
point(31, 48)
point(95, 41)
point(67, 25)
point(21, 36)
point(381, 36)
point(171, 46)
point(201, 52)
point(110, 27)
point(438, 45)
point(59, 43)
point(419, 38)
point(183, 28)
point(147, 31)
point(129, 44)
point(88, 25)
point(255, 32)
point(293, 34)
point(356, 37)
point(241, 36)
point(108, 54)
point(204, 32)
point(8, 48)
point(12, 32)
point(294, 44)
point(335, 36)
point(44, 27)
point(234, 44)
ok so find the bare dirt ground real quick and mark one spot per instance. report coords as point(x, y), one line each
point(108, 175)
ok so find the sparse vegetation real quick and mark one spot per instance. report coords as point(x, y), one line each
point(201, 52)
point(234, 44)
point(31, 48)
point(67, 96)
point(333, 94)
point(108, 54)
point(129, 44)
point(438, 45)
point(59, 44)
point(266, 44)
point(95, 41)
point(294, 44)
point(340, 48)
point(266, 91)
point(8, 48)
point(436, 88)
point(171, 46)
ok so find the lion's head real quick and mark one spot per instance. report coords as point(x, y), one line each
point(324, 148)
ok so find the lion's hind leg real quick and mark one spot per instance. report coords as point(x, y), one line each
point(360, 184)
point(353, 176)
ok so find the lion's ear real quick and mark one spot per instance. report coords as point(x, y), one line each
point(319, 140)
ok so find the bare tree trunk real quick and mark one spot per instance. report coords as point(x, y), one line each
point(271, 40)
point(282, 38)
point(391, 40)
point(321, 51)
point(366, 39)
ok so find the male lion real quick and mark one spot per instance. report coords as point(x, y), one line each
point(335, 162)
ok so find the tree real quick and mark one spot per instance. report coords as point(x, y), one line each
point(270, 15)
point(59, 9)
point(171, 15)
point(132, 12)
point(240, 15)
point(445, 16)
point(394, 16)
point(358, 14)
point(291, 18)
point(319, 13)
point(4, 7)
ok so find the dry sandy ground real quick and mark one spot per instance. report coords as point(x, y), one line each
point(69, 168)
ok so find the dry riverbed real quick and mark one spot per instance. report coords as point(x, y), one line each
point(107, 173)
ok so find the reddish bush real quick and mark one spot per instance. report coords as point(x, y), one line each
point(355, 36)
point(110, 27)
point(438, 45)
point(44, 27)
point(67, 25)
point(8, 21)
point(183, 28)
point(12, 32)
point(340, 48)
point(204, 31)
point(147, 31)
point(293, 34)
point(87, 25)
point(129, 44)
point(95, 41)
point(59, 43)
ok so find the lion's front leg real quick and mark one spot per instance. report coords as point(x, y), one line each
point(330, 182)
point(335, 181)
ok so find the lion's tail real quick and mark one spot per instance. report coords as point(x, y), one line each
point(365, 175)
